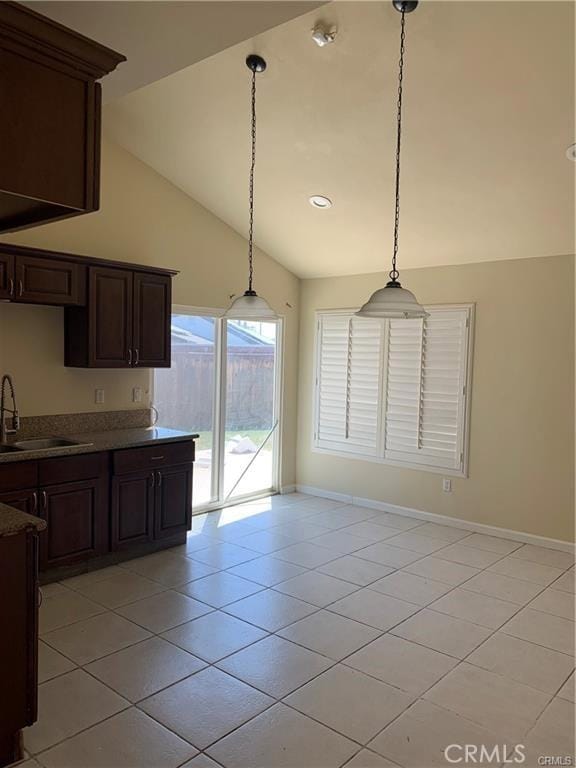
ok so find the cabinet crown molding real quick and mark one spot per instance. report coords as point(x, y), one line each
point(41, 34)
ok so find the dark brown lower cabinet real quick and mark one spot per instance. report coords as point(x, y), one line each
point(77, 518)
point(151, 494)
point(95, 503)
point(132, 509)
point(173, 503)
point(25, 500)
point(18, 640)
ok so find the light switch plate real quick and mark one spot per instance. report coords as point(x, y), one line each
point(137, 394)
point(447, 485)
point(99, 396)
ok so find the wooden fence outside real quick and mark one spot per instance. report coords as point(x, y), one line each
point(184, 393)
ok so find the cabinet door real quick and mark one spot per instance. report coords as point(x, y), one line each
point(6, 276)
point(49, 281)
point(25, 501)
point(110, 332)
point(173, 509)
point(77, 522)
point(132, 509)
point(152, 319)
point(19, 640)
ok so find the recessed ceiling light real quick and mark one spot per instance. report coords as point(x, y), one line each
point(319, 201)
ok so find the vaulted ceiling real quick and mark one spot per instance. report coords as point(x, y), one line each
point(489, 114)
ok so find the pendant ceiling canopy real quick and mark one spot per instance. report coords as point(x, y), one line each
point(394, 301)
point(250, 306)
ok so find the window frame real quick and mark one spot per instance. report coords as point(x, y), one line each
point(379, 458)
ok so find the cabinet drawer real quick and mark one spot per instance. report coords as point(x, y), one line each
point(165, 454)
point(16, 476)
point(66, 469)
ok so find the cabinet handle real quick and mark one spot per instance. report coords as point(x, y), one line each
point(153, 478)
point(11, 286)
point(129, 357)
point(159, 479)
point(20, 288)
point(44, 501)
point(35, 503)
point(156, 458)
point(137, 356)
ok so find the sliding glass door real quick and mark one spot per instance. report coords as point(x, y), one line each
point(250, 407)
point(224, 384)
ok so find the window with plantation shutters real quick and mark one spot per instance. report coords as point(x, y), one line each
point(425, 393)
point(348, 383)
point(395, 391)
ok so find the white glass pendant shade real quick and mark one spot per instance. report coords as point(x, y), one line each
point(250, 306)
point(392, 301)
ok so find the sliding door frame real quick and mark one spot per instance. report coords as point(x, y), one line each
point(218, 500)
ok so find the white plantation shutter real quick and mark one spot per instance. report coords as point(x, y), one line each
point(348, 384)
point(426, 389)
point(394, 391)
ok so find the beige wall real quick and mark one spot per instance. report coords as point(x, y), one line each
point(144, 219)
point(522, 415)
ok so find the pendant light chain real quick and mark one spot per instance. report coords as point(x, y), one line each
point(394, 274)
point(251, 193)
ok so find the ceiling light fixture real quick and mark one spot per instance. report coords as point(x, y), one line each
point(323, 36)
point(250, 306)
point(319, 201)
point(394, 301)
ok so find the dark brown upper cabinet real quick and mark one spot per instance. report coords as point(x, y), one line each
point(126, 323)
point(39, 277)
point(6, 275)
point(118, 315)
point(152, 296)
point(50, 145)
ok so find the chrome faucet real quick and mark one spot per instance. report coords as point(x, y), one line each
point(4, 431)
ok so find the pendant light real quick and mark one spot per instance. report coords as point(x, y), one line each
point(250, 306)
point(393, 301)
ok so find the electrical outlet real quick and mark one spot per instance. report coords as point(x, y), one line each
point(447, 485)
point(137, 394)
point(99, 396)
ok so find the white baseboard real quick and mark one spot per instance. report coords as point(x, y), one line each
point(432, 517)
point(287, 489)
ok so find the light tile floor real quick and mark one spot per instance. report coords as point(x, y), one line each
point(299, 632)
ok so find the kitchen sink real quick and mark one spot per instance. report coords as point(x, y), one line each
point(7, 449)
point(45, 444)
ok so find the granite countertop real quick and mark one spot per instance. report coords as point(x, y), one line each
point(14, 521)
point(112, 439)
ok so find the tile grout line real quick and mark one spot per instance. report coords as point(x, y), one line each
point(318, 609)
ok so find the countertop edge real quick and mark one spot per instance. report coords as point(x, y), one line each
point(14, 521)
point(101, 442)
